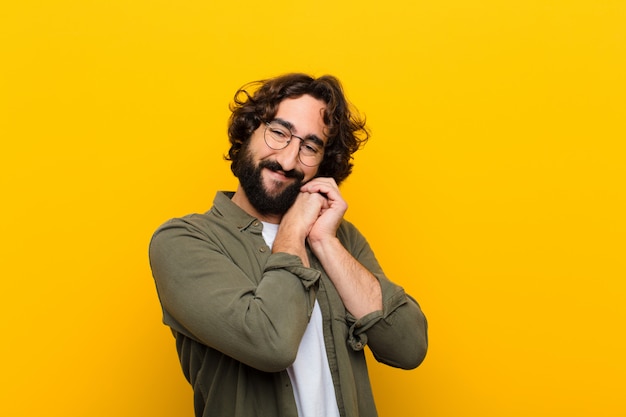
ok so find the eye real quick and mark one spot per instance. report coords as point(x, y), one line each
point(310, 148)
point(279, 133)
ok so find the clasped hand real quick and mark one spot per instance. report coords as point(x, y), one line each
point(318, 210)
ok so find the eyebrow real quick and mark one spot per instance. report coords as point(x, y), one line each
point(291, 127)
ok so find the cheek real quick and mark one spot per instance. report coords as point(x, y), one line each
point(257, 145)
point(309, 173)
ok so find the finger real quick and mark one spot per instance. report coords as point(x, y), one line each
point(322, 180)
point(320, 185)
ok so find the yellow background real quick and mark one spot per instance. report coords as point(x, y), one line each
point(492, 189)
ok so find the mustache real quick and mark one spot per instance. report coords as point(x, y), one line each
point(275, 166)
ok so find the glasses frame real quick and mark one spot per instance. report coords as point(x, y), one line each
point(288, 141)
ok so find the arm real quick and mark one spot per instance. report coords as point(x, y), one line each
point(213, 290)
point(380, 313)
point(396, 335)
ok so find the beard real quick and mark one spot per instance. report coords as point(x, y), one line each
point(264, 201)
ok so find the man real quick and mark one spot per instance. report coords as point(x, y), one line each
point(272, 295)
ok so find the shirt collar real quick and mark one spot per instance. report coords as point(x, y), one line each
point(225, 207)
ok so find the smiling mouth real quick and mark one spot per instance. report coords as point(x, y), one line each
point(275, 167)
point(278, 175)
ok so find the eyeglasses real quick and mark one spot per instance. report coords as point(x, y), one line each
point(278, 136)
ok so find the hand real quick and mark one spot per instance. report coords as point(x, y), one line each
point(303, 214)
point(314, 216)
point(331, 211)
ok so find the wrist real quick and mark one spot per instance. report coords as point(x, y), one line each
point(322, 244)
point(291, 242)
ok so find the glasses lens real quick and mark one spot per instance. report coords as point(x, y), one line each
point(310, 153)
point(276, 135)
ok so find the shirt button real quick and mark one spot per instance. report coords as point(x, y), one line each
point(262, 249)
point(255, 224)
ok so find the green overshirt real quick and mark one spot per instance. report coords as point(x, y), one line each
point(238, 313)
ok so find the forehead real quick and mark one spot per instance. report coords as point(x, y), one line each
point(305, 114)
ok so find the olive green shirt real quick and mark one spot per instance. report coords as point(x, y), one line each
point(238, 312)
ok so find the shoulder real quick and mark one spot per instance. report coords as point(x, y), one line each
point(350, 236)
point(191, 222)
point(222, 211)
point(348, 229)
point(180, 233)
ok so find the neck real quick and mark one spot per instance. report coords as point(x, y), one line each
point(241, 199)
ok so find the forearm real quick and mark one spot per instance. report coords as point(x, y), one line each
point(358, 288)
point(290, 239)
point(397, 335)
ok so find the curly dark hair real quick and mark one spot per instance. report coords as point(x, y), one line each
point(346, 129)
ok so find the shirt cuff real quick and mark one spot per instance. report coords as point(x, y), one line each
point(293, 264)
point(357, 336)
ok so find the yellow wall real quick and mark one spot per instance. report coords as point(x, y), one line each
point(492, 189)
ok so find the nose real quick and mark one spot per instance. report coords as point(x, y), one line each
point(288, 156)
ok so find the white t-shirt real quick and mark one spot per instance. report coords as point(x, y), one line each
point(310, 376)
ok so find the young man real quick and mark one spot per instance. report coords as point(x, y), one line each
point(271, 294)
